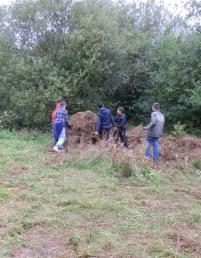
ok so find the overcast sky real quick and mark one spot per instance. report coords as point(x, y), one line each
point(2, 2)
point(174, 5)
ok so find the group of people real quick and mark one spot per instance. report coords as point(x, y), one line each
point(105, 122)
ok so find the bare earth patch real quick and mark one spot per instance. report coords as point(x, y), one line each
point(18, 170)
point(43, 242)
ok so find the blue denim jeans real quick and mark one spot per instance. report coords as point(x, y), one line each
point(152, 141)
point(61, 139)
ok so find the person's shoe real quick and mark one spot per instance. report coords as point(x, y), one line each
point(55, 148)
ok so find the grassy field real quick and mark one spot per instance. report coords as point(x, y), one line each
point(68, 205)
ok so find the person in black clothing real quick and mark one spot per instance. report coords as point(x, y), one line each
point(120, 124)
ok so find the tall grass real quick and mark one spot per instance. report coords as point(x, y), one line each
point(112, 160)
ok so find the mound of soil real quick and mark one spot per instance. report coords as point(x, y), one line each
point(136, 136)
point(189, 142)
point(172, 148)
point(168, 148)
point(82, 127)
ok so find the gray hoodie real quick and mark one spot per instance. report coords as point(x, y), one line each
point(156, 126)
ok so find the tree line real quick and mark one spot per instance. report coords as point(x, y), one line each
point(122, 54)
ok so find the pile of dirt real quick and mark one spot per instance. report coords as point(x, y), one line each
point(82, 127)
point(136, 136)
point(168, 149)
point(172, 148)
point(180, 148)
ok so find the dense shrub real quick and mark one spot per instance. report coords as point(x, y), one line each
point(124, 54)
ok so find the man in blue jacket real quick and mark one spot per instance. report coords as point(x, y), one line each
point(104, 122)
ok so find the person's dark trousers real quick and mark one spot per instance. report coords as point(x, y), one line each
point(152, 141)
point(105, 134)
point(121, 134)
point(123, 138)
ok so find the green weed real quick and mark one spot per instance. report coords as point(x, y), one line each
point(197, 164)
point(74, 240)
point(4, 194)
point(179, 129)
point(196, 218)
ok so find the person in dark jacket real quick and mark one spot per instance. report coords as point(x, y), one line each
point(120, 124)
point(154, 131)
point(104, 122)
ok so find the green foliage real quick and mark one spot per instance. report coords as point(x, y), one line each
point(197, 164)
point(196, 218)
point(124, 54)
point(179, 129)
point(4, 194)
point(74, 240)
point(176, 77)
